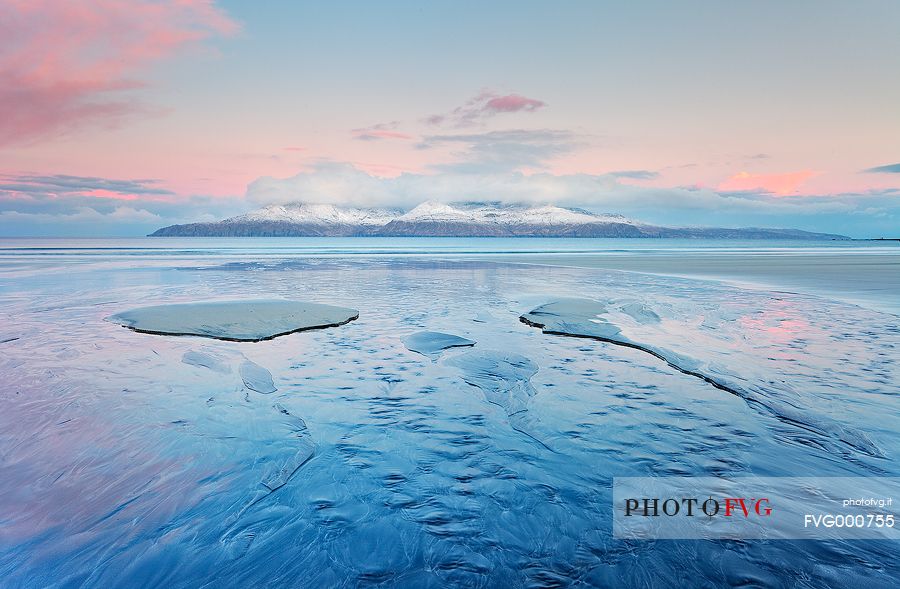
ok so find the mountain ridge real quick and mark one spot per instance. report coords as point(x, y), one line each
point(464, 219)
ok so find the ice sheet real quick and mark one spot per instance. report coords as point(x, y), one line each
point(243, 320)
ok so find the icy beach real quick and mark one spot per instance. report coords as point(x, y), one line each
point(463, 430)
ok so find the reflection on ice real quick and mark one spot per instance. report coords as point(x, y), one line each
point(585, 318)
point(432, 343)
point(245, 321)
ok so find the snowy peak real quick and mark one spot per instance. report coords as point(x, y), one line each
point(544, 215)
point(499, 214)
point(318, 214)
point(435, 212)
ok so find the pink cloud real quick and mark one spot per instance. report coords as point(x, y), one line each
point(484, 105)
point(100, 193)
point(65, 64)
point(513, 103)
point(57, 187)
point(380, 170)
point(777, 184)
point(376, 134)
point(381, 131)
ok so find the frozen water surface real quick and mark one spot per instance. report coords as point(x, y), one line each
point(505, 380)
point(304, 445)
point(148, 461)
point(585, 318)
point(243, 321)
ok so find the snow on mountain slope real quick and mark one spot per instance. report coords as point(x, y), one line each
point(504, 214)
point(318, 214)
point(543, 215)
point(437, 212)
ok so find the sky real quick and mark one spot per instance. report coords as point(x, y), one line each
point(121, 117)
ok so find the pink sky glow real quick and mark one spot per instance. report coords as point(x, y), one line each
point(205, 101)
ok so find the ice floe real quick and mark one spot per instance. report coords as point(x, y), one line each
point(483, 317)
point(252, 320)
point(205, 360)
point(639, 312)
point(256, 378)
point(432, 343)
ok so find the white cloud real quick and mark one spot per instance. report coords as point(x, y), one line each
point(83, 221)
point(339, 183)
point(504, 151)
point(84, 214)
point(343, 184)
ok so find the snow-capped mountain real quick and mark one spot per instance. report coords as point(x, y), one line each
point(466, 219)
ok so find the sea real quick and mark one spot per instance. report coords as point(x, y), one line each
point(125, 464)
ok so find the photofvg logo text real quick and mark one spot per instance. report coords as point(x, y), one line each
point(692, 506)
point(750, 507)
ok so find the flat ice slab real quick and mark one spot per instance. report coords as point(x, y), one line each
point(576, 317)
point(256, 378)
point(242, 321)
point(432, 343)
